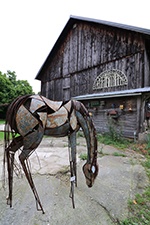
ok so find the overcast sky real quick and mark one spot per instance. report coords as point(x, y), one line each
point(30, 28)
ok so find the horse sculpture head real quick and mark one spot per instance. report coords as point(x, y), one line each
point(90, 171)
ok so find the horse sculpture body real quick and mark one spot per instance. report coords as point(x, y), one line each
point(31, 117)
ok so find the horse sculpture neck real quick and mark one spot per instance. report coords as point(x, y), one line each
point(89, 131)
point(90, 168)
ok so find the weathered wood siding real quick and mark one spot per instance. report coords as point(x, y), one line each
point(89, 50)
point(85, 52)
point(126, 123)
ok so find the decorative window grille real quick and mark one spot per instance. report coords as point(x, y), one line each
point(110, 78)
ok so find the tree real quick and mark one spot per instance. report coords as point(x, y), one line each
point(11, 88)
point(6, 89)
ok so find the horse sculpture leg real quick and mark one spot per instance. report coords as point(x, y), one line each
point(10, 153)
point(72, 143)
point(24, 162)
point(31, 142)
point(73, 169)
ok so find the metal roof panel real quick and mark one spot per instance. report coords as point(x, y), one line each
point(132, 92)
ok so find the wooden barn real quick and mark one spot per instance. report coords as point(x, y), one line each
point(105, 65)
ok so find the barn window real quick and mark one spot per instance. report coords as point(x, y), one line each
point(110, 78)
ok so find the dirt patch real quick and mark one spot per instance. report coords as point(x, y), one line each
point(119, 179)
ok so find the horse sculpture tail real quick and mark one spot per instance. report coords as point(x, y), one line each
point(10, 129)
point(90, 168)
point(10, 132)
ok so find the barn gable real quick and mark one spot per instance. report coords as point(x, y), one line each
point(93, 57)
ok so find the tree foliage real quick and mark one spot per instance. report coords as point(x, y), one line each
point(11, 88)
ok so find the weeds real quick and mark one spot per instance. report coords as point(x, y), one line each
point(119, 154)
point(139, 212)
point(119, 143)
point(114, 136)
point(80, 134)
point(83, 156)
point(113, 131)
point(100, 151)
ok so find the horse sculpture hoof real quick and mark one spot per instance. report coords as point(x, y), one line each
point(8, 201)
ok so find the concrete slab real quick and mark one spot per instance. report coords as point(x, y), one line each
point(119, 179)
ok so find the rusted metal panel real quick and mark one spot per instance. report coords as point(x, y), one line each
point(25, 121)
point(73, 120)
point(68, 106)
point(84, 126)
point(32, 140)
point(52, 104)
point(57, 119)
point(36, 104)
point(43, 118)
point(36, 97)
point(58, 131)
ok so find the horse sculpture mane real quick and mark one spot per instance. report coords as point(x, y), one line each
point(29, 117)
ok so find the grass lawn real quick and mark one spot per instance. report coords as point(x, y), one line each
point(2, 121)
point(1, 135)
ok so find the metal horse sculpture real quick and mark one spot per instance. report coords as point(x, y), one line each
point(32, 116)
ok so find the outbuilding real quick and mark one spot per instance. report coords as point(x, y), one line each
point(105, 65)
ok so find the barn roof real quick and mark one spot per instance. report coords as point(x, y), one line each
point(75, 19)
point(132, 92)
point(112, 24)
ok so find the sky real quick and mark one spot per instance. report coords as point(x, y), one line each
point(30, 28)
